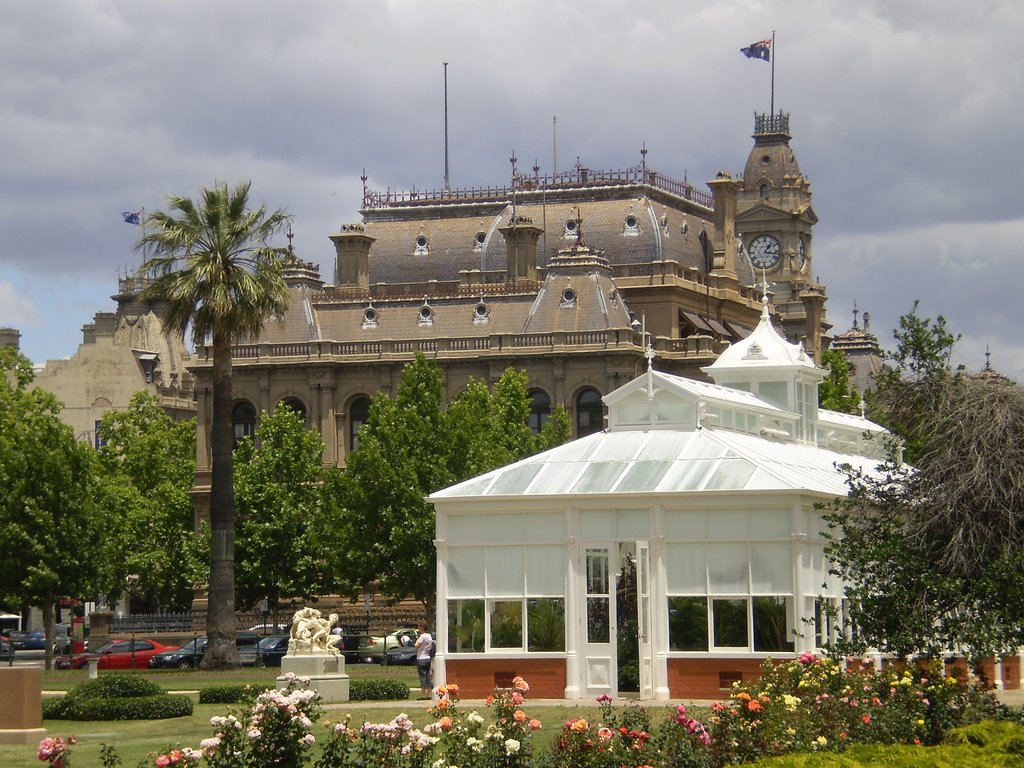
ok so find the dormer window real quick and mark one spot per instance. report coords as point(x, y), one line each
point(764, 191)
point(426, 315)
point(481, 314)
point(568, 299)
point(421, 245)
point(631, 226)
point(370, 318)
point(478, 241)
point(570, 229)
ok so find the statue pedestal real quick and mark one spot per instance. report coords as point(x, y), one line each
point(326, 673)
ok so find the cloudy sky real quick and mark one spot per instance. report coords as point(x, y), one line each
point(906, 116)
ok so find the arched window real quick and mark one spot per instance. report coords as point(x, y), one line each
point(358, 413)
point(589, 412)
point(243, 420)
point(296, 405)
point(540, 410)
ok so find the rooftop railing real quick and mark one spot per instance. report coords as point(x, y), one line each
point(574, 178)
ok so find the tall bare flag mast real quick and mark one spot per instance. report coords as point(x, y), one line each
point(447, 187)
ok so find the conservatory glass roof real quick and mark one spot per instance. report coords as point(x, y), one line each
point(665, 462)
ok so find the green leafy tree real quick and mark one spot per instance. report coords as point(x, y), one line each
point(836, 392)
point(412, 446)
point(932, 554)
point(220, 278)
point(51, 531)
point(908, 388)
point(288, 539)
point(146, 468)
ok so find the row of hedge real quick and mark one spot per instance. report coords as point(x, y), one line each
point(117, 697)
point(359, 690)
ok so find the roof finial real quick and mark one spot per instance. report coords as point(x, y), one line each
point(855, 315)
point(988, 365)
point(765, 288)
point(289, 234)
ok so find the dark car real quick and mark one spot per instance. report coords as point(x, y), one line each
point(190, 655)
point(271, 649)
point(401, 656)
point(36, 640)
point(119, 654)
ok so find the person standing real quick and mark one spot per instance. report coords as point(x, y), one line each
point(424, 658)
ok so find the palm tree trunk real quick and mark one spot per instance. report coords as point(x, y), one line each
point(221, 652)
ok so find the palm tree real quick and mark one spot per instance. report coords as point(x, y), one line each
point(213, 267)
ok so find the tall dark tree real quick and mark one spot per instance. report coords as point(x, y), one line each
point(932, 554)
point(908, 388)
point(836, 392)
point(51, 531)
point(289, 521)
point(146, 467)
point(214, 266)
point(412, 446)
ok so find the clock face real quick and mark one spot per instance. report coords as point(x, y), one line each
point(765, 252)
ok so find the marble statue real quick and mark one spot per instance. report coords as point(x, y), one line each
point(311, 633)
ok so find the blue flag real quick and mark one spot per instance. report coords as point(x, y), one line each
point(758, 50)
point(132, 217)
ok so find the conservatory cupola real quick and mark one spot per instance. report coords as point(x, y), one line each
point(776, 371)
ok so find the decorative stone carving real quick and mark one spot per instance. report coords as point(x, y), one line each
point(310, 634)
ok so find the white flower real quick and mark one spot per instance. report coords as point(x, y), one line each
point(511, 746)
point(474, 718)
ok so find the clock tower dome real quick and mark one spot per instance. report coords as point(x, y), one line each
point(775, 220)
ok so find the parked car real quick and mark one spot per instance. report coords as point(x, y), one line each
point(405, 655)
point(372, 649)
point(117, 655)
point(36, 640)
point(271, 649)
point(190, 655)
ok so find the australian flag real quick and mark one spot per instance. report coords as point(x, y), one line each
point(132, 217)
point(758, 50)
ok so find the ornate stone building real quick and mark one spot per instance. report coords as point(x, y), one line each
point(122, 352)
point(862, 351)
point(568, 277)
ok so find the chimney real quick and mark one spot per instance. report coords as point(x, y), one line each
point(521, 238)
point(724, 189)
point(352, 266)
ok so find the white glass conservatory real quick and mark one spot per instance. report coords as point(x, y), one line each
point(664, 557)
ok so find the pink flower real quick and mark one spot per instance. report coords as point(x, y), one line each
point(604, 698)
point(604, 733)
point(534, 724)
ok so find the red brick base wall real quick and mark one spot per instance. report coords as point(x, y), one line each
point(478, 678)
point(709, 678)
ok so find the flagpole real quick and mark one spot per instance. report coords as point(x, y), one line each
point(772, 110)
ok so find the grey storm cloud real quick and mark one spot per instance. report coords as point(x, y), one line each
point(904, 116)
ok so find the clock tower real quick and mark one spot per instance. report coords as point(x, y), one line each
point(775, 220)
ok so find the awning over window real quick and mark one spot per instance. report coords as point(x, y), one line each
point(697, 321)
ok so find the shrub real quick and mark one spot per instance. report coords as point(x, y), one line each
point(117, 697)
point(228, 694)
point(377, 690)
point(160, 707)
point(115, 686)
